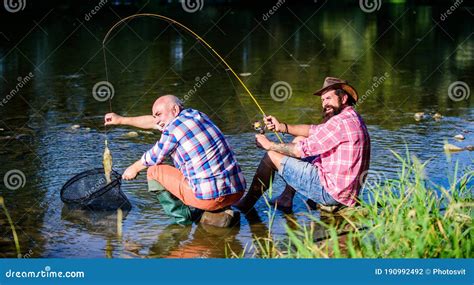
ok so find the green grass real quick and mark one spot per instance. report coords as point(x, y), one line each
point(15, 236)
point(407, 217)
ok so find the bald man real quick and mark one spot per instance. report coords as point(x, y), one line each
point(205, 175)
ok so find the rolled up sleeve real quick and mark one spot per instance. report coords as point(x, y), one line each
point(165, 146)
point(322, 138)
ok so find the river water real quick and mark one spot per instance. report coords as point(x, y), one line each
point(402, 60)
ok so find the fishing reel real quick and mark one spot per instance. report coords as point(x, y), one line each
point(259, 127)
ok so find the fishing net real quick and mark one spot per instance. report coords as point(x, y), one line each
point(90, 190)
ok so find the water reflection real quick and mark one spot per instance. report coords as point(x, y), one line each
point(421, 58)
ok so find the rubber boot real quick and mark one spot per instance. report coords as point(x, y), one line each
point(173, 207)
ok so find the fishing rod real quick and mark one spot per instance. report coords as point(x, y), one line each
point(172, 21)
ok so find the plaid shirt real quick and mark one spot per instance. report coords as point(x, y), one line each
point(200, 151)
point(342, 150)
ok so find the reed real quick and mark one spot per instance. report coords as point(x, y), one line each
point(406, 217)
point(12, 226)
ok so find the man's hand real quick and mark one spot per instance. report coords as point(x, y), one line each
point(272, 124)
point(130, 173)
point(112, 119)
point(263, 142)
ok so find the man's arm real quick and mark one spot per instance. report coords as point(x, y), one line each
point(288, 149)
point(142, 122)
point(296, 130)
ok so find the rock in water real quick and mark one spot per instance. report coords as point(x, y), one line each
point(437, 116)
point(459, 137)
point(452, 148)
point(419, 116)
point(131, 135)
point(107, 161)
point(146, 132)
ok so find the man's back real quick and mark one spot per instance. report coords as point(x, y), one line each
point(201, 152)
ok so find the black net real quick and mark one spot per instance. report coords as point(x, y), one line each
point(90, 190)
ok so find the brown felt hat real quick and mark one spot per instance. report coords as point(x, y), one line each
point(331, 83)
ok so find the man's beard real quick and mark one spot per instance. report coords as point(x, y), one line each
point(333, 111)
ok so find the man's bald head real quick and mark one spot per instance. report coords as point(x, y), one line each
point(169, 101)
point(165, 109)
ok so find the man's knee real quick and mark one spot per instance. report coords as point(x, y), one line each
point(155, 172)
point(274, 158)
point(151, 172)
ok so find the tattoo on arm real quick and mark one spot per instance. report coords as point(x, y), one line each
point(286, 149)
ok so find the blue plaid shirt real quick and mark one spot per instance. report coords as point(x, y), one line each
point(200, 151)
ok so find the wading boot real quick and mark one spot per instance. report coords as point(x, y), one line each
point(179, 212)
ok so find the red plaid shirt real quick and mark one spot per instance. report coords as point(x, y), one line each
point(342, 150)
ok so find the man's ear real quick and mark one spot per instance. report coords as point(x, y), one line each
point(176, 110)
point(345, 99)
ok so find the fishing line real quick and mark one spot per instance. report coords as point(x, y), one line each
point(172, 21)
point(107, 79)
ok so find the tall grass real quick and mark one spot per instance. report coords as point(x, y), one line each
point(406, 217)
point(12, 226)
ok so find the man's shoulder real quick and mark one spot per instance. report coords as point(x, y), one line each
point(348, 118)
point(349, 113)
point(190, 118)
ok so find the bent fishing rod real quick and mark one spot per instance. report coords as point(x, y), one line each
point(206, 44)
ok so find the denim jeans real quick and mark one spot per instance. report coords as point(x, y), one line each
point(303, 177)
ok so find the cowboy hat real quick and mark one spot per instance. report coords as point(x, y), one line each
point(331, 83)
